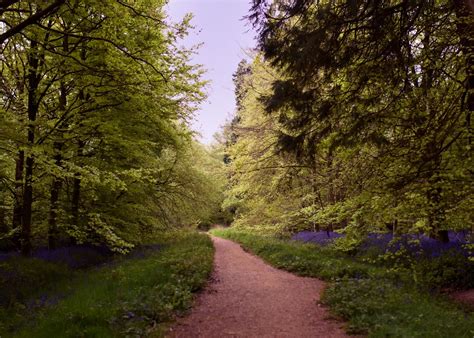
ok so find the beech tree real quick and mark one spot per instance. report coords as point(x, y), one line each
point(96, 100)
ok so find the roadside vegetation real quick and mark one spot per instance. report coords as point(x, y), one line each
point(135, 295)
point(376, 298)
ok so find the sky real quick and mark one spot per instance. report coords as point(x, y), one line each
point(226, 37)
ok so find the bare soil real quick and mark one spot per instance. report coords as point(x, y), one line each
point(248, 298)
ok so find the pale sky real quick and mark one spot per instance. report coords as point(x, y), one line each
point(226, 37)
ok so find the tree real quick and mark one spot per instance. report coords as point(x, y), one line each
point(96, 102)
point(34, 15)
point(374, 97)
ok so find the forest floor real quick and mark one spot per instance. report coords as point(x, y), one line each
point(249, 298)
point(137, 295)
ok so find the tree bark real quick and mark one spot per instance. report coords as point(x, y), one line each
point(33, 83)
point(76, 189)
point(57, 181)
point(18, 196)
point(55, 191)
point(436, 216)
point(76, 192)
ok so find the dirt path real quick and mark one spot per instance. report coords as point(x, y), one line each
point(466, 297)
point(249, 298)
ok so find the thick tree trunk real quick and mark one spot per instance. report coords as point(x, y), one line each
point(33, 82)
point(436, 216)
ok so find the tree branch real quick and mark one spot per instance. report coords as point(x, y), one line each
point(31, 20)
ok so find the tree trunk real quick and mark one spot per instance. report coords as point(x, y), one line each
point(27, 207)
point(33, 82)
point(436, 216)
point(465, 28)
point(57, 181)
point(76, 196)
point(436, 207)
point(76, 189)
point(76, 192)
point(55, 190)
point(18, 197)
point(3, 223)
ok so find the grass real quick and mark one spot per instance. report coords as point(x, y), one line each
point(374, 300)
point(28, 285)
point(131, 297)
point(21, 278)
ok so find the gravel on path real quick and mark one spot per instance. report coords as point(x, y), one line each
point(248, 298)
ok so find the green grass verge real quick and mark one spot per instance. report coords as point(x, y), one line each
point(373, 300)
point(26, 286)
point(130, 297)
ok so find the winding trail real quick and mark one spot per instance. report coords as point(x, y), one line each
point(249, 298)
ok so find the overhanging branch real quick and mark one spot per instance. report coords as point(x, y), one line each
point(41, 13)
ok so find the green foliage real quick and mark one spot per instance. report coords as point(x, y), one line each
point(449, 270)
point(95, 143)
point(385, 309)
point(346, 121)
point(377, 299)
point(260, 190)
point(132, 296)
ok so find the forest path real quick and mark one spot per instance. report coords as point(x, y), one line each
point(249, 298)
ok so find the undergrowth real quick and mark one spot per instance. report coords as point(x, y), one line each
point(375, 300)
point(135, 296)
